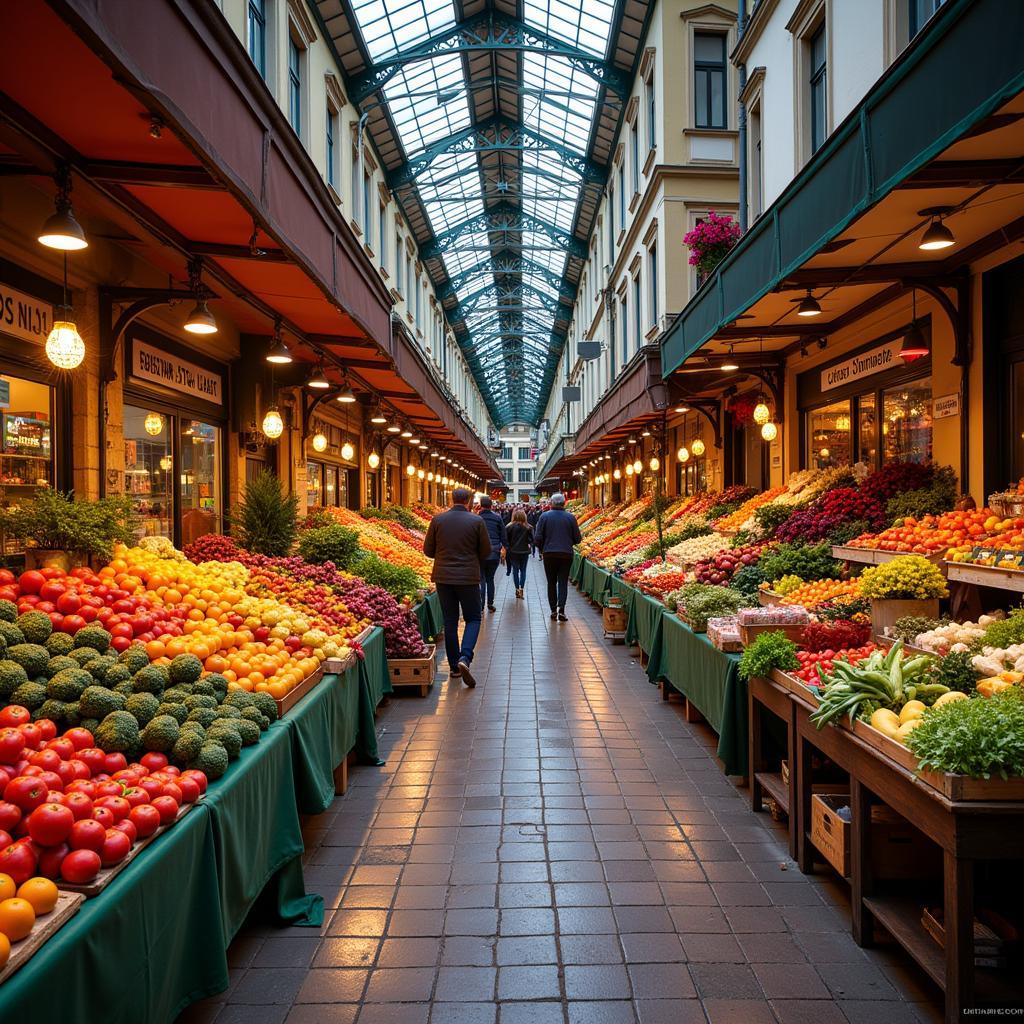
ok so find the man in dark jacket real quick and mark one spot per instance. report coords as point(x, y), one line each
point(457, 541)
point(557, 533)
point(532, 518)
point(499, 545)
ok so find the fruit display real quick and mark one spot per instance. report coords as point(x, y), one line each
point(930, 534)
point(23, 909)
point(378, 540)
point(739, 519)
point(721, 567)
point(697, 549)
point(810, 595)
point(809, 661)
point(835, 509)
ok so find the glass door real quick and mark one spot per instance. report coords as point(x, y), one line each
point(149, 469)
point(200, 480)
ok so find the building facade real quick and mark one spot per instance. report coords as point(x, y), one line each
point(518, 462)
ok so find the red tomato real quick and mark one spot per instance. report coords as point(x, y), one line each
point(10, 815)
point(69, 602)
point(47, 727)
point(56, 619)
point(105, 816)
point(50, 824)
point(117, 805)
point(32, 734)
point(115, 848)
point(51, 859)
point(115, 762)
point(46, 607)
point(80, 866)
point(146, 819)
point(121, 643)
point(47, 759)
point(51, 590)
point(88, 612)
point(153, 761)
point(51, 780)
point(72, 624)
point(127, 826)
point(87, 834)
point(81, 739)
point(189, 790)
point(200, 778)
point(135, 795)
point(19, 861)
point(26, 791)
point(6, 774)
point(168, 808)
point(15, 715)
point(153, 786)
point(51, 572)
point(82, 786)
point(6, 838)
point(30, 582)
point(172, 770)
point(80, 770)
point(62, 745)
point(11, 745)
point(108, 787)
point(173, 790)
point(80, 805)
point(6, 577)
point(94, 758)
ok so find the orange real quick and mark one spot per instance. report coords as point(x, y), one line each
point(176, 647)
point(16, 918)
point(5, 949)
point(155, 649)
point(7, 887)
point(41, 893)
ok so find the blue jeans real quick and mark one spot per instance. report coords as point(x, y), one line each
point(519, 563)
point(453, 598)
point(487, 571)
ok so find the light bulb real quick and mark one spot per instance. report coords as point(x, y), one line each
point(769, 431)
point(153, 423)
point(273, 425)
point(201, 321)
point(617, 474)
point(373, 460)
point(346, 397)
point(762, 414)
point(319, 442)
point(410, 470)
point(421, 474)
point(638, 466)
point(697, 447)
point(629, 469)
point(64, 345)
point(347, 451)
point(430, 477)
point(825, 453)
point(655, 464)
point(683, 454)
point(166, 463)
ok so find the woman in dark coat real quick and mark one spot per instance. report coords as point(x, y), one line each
point(520, 543)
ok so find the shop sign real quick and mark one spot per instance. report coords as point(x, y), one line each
point(946, 405)
point(875, 360)
point(158, 367)
point(24, 316)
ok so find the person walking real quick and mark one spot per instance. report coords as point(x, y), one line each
point(520, 543)
point(498, 538)
point(458, 543)
point(556, 535)
point(532, 518)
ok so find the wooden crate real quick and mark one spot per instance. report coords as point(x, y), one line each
point(985, 575)
point(293, 696)
point(335, 666)
point(768, 598)
point(873, 556)
point(748, 634)
point(46, 926)
point(613, 619)
point(414, 673)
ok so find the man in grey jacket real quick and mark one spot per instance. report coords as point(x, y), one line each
point(556, 535)
point(457, 541)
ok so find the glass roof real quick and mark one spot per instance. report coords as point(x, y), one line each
point(528, 186)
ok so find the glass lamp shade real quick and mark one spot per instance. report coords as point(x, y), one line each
point(638, 466)
point(410, 470)
point(64, 345)
point(769, 431)
point(153, 423)
point(273, 424)
point(444, 481)
point(166, 463)
point(393, 429)
point(373, 460)
point(617, 474)
point(843, 423)
point(430, 478)
point(318, 380)
point(825, 453)
point(421, 474)
point(683, 454)
point(762, 414)
point(697, 447)
point(629, 469)
point(347, 451)
point(346, 397)
point(319, 443)
point(378, 418)
point(655, 464)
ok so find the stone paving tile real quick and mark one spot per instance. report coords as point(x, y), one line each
point(557, 846)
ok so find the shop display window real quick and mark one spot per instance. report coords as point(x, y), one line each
point(200, 480)
point(342, 498)
point(149, 470)
point(331, 485)
point(907, 422)
point(867, 430)
point(314, 484)
point(830, 436)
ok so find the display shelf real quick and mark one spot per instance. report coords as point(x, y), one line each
point(773, 785)
point(874, 556)
point(294, 695)
point(985, 576)
point(68, 904)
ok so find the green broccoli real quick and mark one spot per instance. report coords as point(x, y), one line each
point(217, 681)
point(94, 636)
point(199, 700)
point(36, 627)
point(11, 634)
point(99, 702)
point(239, 699)
point(254, 714)
point(55, 710)
point(99, 667)
point(143, 706)
point(202, 687)
point(69, 684)
point(117, 674)
point(149, 680)
point(187, 747)
point(135, 657)
point(125, 688)
point(227, 735)
point(204, 716)
point(228, 711)
point(176, 710)
point(12, 675)
point(3, 647)
point(83, 655)
point(58, 663)
point(248, 731)
point(195, 727)
point(117, 732)
point(72, 713)
point(8, 611)
point(177, 694)
point(92, 724)
point(212, 760)
point(32, 657)
point(59, 644)
point(266, 704)
point(29, 695)
point(185, 668)
point(161, 733)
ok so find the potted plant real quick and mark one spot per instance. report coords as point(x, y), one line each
point(908, 585)
point(61, 532)
point(710, 241)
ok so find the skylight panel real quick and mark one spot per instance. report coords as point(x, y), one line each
point(388, 26)
point(583, 23)
point(559, 101)
point(427, 101)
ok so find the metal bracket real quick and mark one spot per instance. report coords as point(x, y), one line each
point(710, 409)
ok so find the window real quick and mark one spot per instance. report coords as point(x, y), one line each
point(357, 181)
point(295, 85)
point(756, 162)
point(419, 292)
point(611, 224)
point(332, 149)
point(506, 475)
point(907, 422)
point(526, 475)
point(314, 484)
point(622, 194)
point(367, 199)
point(148, 470)
point(919, 12)
point(398, 260)
point(634, 152)
point(652, 114)
point(506, 451)
point(525, 454)
point(382, 234)
point(637, 313)
point(652, 278)
point(709, 82)
point(258, 35)
point(829, 436)
point(624, 318)
point(867, 430)
point(818, 84)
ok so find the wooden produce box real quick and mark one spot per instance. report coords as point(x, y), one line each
point(873, 556)
point(414, 673)
point(985, 575)
point(293, 696)
point(748, 634)
point(46, 926)
point(768, 598)
point(335, 666)
point(613, 619)
point(361, 638)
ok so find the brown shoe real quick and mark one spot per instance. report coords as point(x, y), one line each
point(466, 673)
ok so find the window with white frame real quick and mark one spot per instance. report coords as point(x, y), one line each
point(257, 31)
point(818, 87)
point(638, 312)
point(331, 144)
point(368, 205)
point(622, 193)
point(652, 282)
point(652, 112)
point(382, 234)
point(755, 135)
point(710, 82)
point(357, 182)
point(634, 154)
point(296, 73)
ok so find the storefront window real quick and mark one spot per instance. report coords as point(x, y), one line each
point(149, 470)
point(343, 488)
point(200, 480)
point(314, 484)
point(867, 430)
point(331, 485)
point(829, 436)
point(907, 422)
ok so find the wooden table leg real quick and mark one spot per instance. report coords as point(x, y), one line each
point(861, 883)
point(754, 752)
point(802, 759)
point(794, 769)
point(958, 876)
point(341, 778)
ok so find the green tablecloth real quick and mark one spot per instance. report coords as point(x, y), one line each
point(142, 951)
point(599, 583)
point(587, 577)
point(576, 568)
point(428, 615)
point(709, 679)
point(644, 624)
point(618, 587)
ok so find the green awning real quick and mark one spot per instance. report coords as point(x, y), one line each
point(965, 65)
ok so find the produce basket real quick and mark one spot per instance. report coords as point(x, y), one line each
point(1007, 504)
point(769, 597)
point(748, 634)
point(414, 673)
point(293, 696)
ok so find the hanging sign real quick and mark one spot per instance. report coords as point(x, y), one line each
point(875, 360)
point(24, 316)
point(946, 405)
point(155, 366)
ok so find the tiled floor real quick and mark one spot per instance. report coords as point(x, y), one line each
point(557, 846)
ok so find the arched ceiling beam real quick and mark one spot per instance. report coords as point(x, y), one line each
point(504, 217)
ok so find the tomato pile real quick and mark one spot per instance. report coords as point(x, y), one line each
point(68, 809)
point(810, 660)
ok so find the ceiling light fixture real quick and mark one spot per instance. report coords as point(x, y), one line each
point(319, 442)
point(937, 235)
point(808, 305)
point(61, 230)
point(914, 344)
point(318, 379)
point(697, 447)
point(64, 345)
point(278, 354)
point(347, 451)
point(346, 397)
point(273, 424)
point(200, 320)
point(378, 417)
point(153, 423)
point(373, 460)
